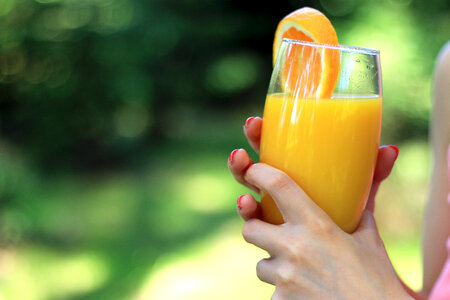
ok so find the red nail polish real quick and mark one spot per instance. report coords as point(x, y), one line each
point(396, 150)
point(246, 168)
point(239, 202)
point(230, 158)
point(247, 122)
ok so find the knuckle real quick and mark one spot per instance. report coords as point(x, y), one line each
point(293, 250)
point(250, 170)
point(322, 227)
point(285, 275)
point(279, 181)
point(277, 295)
point(249, 228)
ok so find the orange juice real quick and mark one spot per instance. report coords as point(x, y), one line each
point(328, 146)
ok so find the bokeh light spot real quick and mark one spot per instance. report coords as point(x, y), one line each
point(232, 74)
point(338, 7)
point(75, 16)
point(116, 16)
point(207, 193)
point(48, 274)
point(131, 120)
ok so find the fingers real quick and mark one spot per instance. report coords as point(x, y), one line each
point(248, 207)
point(387, 155)
point(238, 163)
point(252, 130)
point(267, 237)
point(262, 235)
point(385, 161)
point(265, 270)
point(293, 203)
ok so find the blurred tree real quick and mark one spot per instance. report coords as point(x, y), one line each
point(86, 83)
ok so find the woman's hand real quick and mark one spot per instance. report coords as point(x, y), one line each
point(311, 257)
point(239, 162)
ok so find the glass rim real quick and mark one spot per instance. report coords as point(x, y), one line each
point(340, 47)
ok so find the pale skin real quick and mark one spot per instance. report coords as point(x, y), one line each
point(312, 258)
point(437, 216)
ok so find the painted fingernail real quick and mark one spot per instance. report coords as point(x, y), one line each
point(396, 150)
point(247, 122)
point(230, 158)
point(239, 205)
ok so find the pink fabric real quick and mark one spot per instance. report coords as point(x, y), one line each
point(441, 290)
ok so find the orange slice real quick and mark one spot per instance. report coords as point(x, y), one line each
point(309, 72)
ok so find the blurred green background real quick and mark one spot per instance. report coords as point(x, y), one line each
point(117, 118)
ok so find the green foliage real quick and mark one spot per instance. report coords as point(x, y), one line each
point(86, 83)
point(116, 118)
point(75, 74)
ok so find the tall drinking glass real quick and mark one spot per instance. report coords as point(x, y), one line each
point(322, 123)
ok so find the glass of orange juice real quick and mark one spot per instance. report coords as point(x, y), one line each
point(322, 122)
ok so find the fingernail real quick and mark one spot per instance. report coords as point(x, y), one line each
point(396, 150)
point(230, 158)
point(239, 202)
point(247, 122)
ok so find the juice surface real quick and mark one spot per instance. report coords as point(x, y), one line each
point(328, 146)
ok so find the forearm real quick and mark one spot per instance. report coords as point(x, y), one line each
point(436, 228)
point(437, 216)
